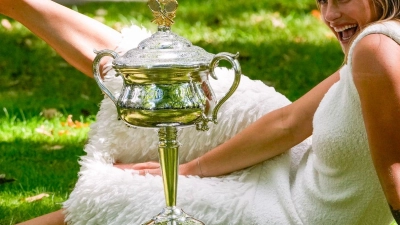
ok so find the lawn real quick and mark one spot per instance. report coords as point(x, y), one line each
point(46, 105)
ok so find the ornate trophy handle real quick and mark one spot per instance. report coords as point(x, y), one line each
point(232, 58)
point(96, 71)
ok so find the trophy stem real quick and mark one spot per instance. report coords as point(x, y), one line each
point(168, 152)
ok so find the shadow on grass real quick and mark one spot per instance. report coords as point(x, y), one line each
point(291, 68)
point(34, 77)
point(37, 167)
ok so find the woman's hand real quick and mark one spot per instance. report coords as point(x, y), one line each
point(191, 168)
point(152, 168)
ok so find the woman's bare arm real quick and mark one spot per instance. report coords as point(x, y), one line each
point(271, 135)
point(376, 72)
point(73, 35)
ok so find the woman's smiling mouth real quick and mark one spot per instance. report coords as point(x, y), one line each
point(345, 33)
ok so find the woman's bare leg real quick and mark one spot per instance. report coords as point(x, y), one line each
point(54, 218)
point(73, 35)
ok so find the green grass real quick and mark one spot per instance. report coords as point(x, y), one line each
point(39, 163)
point(279, 42)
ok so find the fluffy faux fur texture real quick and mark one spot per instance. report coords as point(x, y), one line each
point(107, 195)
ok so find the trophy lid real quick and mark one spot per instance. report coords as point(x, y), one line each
point(164, 49)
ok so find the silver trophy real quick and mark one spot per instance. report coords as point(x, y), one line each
point(166, 86)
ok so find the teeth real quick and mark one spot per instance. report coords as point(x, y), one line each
point(340, 29)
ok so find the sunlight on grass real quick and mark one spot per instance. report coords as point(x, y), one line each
point(14, 206)
point(41, 129)
point(257, 27)
point(38, 156)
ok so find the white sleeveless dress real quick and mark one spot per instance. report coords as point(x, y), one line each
point(331, 182)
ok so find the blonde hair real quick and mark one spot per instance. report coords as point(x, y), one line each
point(389, 9)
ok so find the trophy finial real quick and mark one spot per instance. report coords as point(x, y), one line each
point(163, 11)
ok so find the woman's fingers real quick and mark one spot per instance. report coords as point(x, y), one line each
point(152, 168)
point(143, 169)
point(156, 171)
point(123, 166)
point(146, 165)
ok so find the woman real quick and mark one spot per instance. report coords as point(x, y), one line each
point(348, 176)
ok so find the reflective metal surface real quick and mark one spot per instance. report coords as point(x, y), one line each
point(173, 96)
point(165, 216)
point(165, 86)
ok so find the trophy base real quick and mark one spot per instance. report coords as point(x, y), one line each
point(173, 216)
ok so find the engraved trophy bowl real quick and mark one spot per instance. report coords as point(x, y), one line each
point(166, 86)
